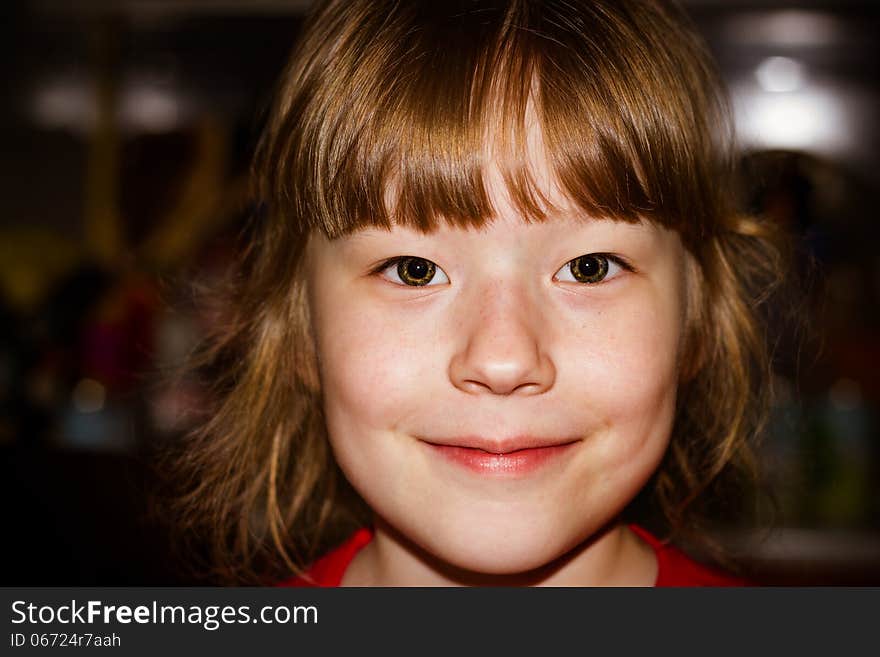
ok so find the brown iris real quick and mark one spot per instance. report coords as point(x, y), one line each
point(589, 268)
point(416, 271)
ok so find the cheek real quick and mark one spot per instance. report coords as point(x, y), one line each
point(370, 366)
point(623, 364)
point(374, 376)
point(639, 359)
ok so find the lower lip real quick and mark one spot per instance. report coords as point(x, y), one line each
point(520, 462)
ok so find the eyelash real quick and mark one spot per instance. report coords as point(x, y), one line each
point(609, 257)
point(396, 260)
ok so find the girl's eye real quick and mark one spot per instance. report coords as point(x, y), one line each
point(591, 268)
point(413, 271)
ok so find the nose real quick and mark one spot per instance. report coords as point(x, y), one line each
point(503, 349)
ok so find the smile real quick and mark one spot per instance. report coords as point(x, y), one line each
point(515, 458)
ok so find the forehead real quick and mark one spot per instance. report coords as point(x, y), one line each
point(512, 187)
point(520, 189)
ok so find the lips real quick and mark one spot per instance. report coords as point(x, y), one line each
point(510, 457)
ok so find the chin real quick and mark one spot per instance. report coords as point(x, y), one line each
point(497, 550)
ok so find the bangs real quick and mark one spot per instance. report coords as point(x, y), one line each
point(396, 115)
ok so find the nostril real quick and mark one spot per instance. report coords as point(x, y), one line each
point(534, 382)
point(479, 387)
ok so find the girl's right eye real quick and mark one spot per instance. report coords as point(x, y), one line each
point(412, 271)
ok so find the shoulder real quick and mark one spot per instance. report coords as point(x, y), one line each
point(675, 568)
point(329, 569)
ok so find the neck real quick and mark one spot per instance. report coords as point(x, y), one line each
point(613, 556)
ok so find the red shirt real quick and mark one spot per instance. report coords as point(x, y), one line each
point(675, 568)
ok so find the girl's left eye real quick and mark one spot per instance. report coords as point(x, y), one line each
point(412, 271)
point(591, 268)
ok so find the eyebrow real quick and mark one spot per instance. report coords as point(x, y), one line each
point(573, 218)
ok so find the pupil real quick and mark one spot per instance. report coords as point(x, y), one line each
point(589, 267)
point(417, 269)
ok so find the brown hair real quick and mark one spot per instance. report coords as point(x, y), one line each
point(403, 96)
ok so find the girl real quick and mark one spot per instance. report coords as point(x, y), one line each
point(496, 309)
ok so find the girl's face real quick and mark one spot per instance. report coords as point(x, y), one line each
point(501, 395)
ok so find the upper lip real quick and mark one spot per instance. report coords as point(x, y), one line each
point(500, 445)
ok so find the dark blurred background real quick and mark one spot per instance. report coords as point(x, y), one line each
point(126, 135)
